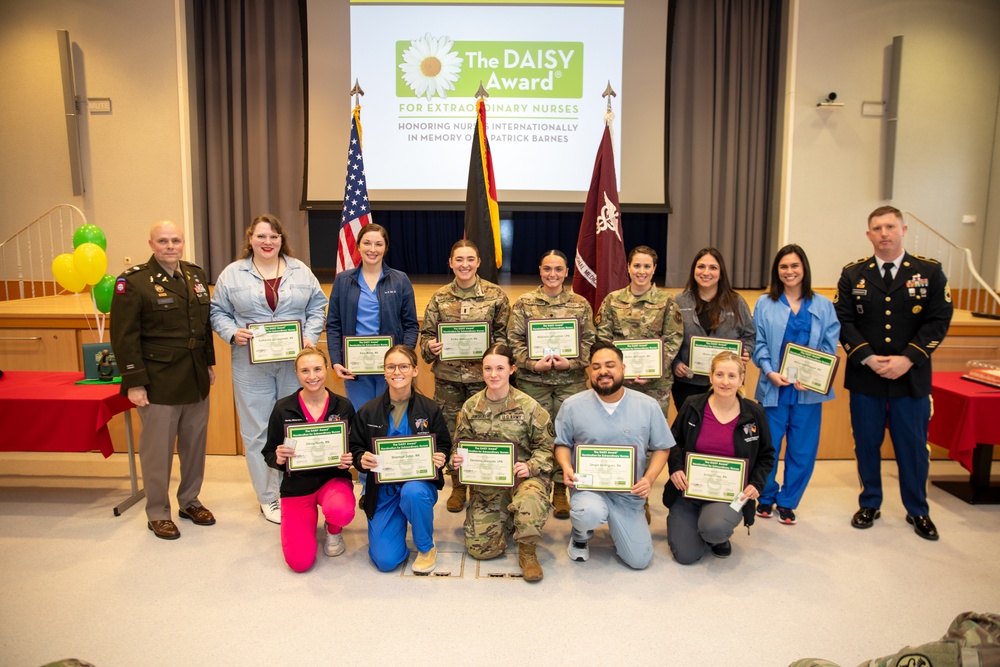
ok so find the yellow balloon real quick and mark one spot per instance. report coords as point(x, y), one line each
point(91, 262)
point(64, 271)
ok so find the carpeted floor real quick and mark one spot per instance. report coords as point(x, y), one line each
point(76, 581)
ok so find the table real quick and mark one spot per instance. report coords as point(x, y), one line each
point(966, 423)
point(53, 414)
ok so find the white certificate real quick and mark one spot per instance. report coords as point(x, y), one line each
point(604, 467)
point(405, 458)
point(716, 478)
point(274, 341)
point(317, 445)
point(463, 340)
point(643, 358)
point(814, 369)
point(487, 463)
point(704, 350)
point(553, 336)
point(365, 355)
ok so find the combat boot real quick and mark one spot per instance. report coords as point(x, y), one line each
point(560, 502)
point(529, 562)
point(456, 502)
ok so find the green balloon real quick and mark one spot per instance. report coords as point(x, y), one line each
point(102, 292)
point(89, 234)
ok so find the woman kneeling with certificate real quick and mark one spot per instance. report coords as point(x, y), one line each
point(502, 414)
point(719, 466)
point(403, 438)
point(306, 442)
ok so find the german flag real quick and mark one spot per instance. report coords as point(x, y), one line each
point(482, 214)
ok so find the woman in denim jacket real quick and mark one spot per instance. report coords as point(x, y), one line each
point(266, 285)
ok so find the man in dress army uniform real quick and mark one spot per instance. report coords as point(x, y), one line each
point(162, 341)
point(894, 309)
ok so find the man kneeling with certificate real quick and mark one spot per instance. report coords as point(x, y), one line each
point(603, 438)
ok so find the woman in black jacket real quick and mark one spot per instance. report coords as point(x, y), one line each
point(331, 488)
point(400, 412)
point(719, 423)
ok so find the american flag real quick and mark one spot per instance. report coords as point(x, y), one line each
point(356, 213)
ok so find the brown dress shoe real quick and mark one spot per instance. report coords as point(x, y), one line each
point(200, 516)
point(165, 530)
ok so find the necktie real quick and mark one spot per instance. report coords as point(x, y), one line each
point(887, 273)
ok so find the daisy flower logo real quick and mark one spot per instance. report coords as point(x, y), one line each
point(430, 66)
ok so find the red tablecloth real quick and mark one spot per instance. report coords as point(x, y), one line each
point(46, 412)
point(966, 413)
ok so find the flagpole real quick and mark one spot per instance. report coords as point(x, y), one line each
point(609, 115)
point(358, 94)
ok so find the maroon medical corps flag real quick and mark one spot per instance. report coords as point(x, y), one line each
point(482, 214)
point(356, 213)
point(600, 252)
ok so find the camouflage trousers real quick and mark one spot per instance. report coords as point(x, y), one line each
point(495, 513)
point(451, 396)
point(551, 396)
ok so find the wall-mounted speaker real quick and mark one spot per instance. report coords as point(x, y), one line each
point(71, 109)
point(892, 116)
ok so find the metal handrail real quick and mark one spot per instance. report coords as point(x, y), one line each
point(20, 251)
point(974, 293)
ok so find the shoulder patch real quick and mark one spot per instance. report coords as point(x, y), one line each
point(550, 429)
point(120, 286)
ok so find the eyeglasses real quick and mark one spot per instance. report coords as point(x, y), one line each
point(403, 368)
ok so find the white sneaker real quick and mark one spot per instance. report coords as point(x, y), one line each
point(578, 551)
point(334, 545)
point(271, 511)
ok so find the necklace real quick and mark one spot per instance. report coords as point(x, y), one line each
point(269, 284)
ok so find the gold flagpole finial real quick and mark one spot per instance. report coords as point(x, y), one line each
point(609, 92)
point(357, 93)
point(481, 93)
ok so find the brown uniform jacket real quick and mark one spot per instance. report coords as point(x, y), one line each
point(160, 332)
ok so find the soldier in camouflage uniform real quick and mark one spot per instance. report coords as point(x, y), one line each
point(552, 379)
point(468, 298)
point(503, 413)
point(642, 310)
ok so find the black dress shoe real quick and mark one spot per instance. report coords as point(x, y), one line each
point(865, 517)
point(200, 516)
point(165, 530)
point(722, 550)
point(923, 526)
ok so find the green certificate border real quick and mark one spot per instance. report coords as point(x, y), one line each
point(489, 444)
point(426, 442)
point(816, 357)
point(578, 451)
point(643, 343)
point(721, 345)
point(554, 320)
point(719, 461)
point(284, 324)
point(382, 342)
point(294, 431)
point(442, 326)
